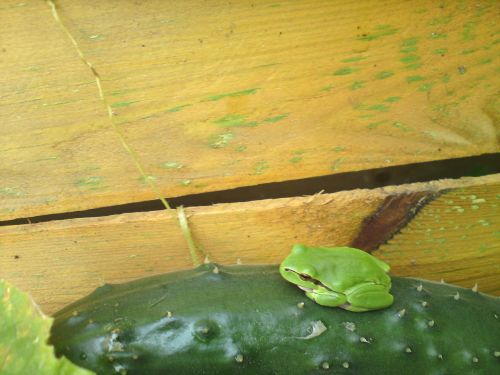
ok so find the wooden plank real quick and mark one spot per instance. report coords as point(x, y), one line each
point(213, 95)
point(61, 261)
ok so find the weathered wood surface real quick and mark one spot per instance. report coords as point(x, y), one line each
point(61, 261)
point(215, 94)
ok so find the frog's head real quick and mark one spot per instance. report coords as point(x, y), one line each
point(298, 268)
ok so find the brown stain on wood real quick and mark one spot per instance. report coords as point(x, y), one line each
point(392, 215)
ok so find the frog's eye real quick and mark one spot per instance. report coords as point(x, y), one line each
point(306, 277)
point(310, 279)
point(308, 272)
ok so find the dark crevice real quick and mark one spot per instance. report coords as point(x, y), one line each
point(367, 179)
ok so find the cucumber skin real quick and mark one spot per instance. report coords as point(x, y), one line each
point(247, 320)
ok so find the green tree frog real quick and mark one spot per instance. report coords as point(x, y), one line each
point(342, 276)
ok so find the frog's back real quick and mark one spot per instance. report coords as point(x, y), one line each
point(346, 267)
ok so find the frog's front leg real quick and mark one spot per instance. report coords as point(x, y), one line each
point(330, 299)
point(368, 296)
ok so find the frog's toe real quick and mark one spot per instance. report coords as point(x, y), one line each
point(349, 307)
point(369, 301)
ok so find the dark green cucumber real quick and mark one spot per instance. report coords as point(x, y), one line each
point(248, 320)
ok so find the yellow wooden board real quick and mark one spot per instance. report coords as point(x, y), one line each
point(60, 261)
point(215, 94)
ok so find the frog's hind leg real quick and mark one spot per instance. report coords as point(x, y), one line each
point(366, 297)
point(329, 300)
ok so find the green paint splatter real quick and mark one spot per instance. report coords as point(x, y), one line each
point(438, 36)
point(327, 88)
point(440, 21)
point(171, 165)
point(33, 68)
point(186, 182)
point(260, 167)
point(469, 51)
point(336, 164)
point(338, 148)
point(426, 87)
point(486, 60)
point(353, 59)
point(380, 31)
point(121, 104)
point(384, 75)
point(392, 99)
point(276, 118)
point(96, 37)
point(221, 140)
point(482, 248)
point(408, 49)
point(378, 107)
point(468, 33)
point(345, 71)
point(11, 192)
point(234, 120)
point(177, 108)
point(409, 59)
point(241, 148)
point(409, 45)
point(411, 79)
point(231, 94)
point(357, 85)
point(413, 66)
point(52, 157)
point(266, 65)
point(118, 93)
point(375, 125)
point(92, 181)
point(295, 159)
point(440, 51)
point(401, 126)
point(147, 179)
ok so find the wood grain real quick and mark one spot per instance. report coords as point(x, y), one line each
point(214, 95)
point(60, 261)
point(455, 238)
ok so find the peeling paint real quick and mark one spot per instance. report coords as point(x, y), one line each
point(234, 120)
point(92, 181)
point(411, 79)
point(353, 59)
point(231, 94)
point(392, 99)
point(121, 104)
point(260, 167)
point(171, 165)
point(276, 118)
point(380, 32)
point(384, 75)
point(356, 85)
point(345, 71)
point(11, 192)
point(177, 108)
point(221, 140)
